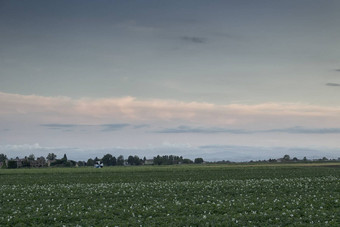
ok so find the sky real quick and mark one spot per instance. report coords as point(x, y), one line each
point(223, 80)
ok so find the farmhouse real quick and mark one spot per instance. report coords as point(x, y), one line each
point(40, 162)
point(148, 162)
point(20, 162)
point(24, 162)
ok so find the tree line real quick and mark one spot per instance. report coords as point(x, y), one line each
point(133, 160)
point(108, 160)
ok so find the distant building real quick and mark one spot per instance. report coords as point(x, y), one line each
point(40, 162)
point(20, 162)
point(148, 162)
point(49, 162)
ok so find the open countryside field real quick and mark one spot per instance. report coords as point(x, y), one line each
point(185, 195)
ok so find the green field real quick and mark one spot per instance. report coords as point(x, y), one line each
point(193, 195)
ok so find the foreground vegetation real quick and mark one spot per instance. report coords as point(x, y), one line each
point(211, 195)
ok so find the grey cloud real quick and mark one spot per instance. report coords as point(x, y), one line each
point(301, 130)
point(338, 70)
point(141, 126)
point(188, 129)
point(193, 39)
point(292, 130)
point(114, 127)
point(333, 84)
point(59, 125)
point(69, 127)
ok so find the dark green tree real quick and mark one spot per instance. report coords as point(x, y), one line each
point(167, 160)
point(12, 164)
point(81, 163)
point(198, 160)
point(51, 156)
point(120, 160)
point(286, 158)
point(187, 161)
point(114, 161)
point(157, 160)
point(130, 160)
point(136, 160)
point(64, 159)
point(90, 162)
point(31, 157)
point(107, 160)
point(3, 157)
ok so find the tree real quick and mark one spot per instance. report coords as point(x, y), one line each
point(51, 156)
point(81, 163)
point(157, 160)
point(136, 160)
point(198, 160)
point(90, 162)
point(31, 157)
point(114, 161)
point(286, 158)
point(187, 161)
point(3, 157)
point(120, 160)
point(130, 160)
point(64, 159)
point(107, 160)
point(12, 164)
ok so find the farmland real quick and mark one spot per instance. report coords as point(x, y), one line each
point(184, 195)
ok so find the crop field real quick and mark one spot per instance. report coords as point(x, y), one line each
point(192, 195)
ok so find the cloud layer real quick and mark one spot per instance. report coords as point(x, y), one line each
point(293, 130)
point(333, 84)
point(82, 127)
point(193, 39)
point(67, 112)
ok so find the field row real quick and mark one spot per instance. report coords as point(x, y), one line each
point(264, 201)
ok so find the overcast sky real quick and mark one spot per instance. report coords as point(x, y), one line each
point(233, 80)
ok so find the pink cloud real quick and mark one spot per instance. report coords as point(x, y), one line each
point(86, 110)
